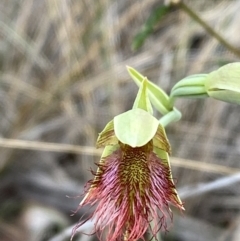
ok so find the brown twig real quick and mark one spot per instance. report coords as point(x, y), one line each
point(207, 27)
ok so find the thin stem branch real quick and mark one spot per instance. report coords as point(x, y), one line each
point(90, 150)
point(48, 146)
point(207, 27)
point(203, 188)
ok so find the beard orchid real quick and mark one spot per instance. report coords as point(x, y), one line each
point(133, 188)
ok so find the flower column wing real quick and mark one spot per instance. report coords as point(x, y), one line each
point(160, 140)
point(107, 136)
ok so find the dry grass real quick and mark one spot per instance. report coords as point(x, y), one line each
point(63, 76)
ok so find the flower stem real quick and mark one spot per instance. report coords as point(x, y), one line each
point(172, 116)
point(207, 27)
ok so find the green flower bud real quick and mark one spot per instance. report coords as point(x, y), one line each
point(224, 83)
point(190, 87)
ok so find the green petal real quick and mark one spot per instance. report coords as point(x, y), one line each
point(165, 159)
point(107, 136)
point(135, 127)
point(108, 150)
point(142, 101)
point(224, 83)
point(158, 97)
point(160, 140)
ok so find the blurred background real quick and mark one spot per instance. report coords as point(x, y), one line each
point(63, 77)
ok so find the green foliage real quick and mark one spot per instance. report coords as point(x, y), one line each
point(148, 27)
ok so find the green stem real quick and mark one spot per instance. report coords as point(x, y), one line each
point(172, 116)
point(207, 27)
point(172, 100)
